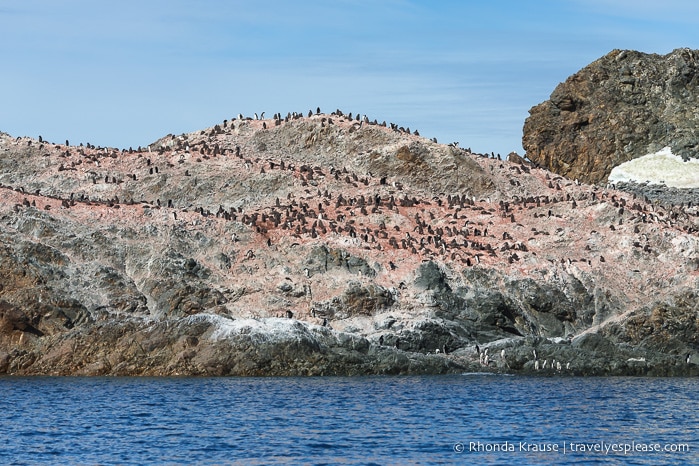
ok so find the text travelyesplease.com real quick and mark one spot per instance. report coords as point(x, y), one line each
point(607, 448)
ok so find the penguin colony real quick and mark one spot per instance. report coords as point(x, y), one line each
point(455, 227)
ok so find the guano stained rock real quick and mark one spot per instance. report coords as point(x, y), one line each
point(313, 246)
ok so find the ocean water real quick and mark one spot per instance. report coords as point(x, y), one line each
point(459, 419)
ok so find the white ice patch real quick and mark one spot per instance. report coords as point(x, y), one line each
point(662, 167)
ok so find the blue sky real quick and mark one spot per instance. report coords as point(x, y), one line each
point(126, 73)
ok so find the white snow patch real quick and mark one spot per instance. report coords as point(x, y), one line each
point(662, 167)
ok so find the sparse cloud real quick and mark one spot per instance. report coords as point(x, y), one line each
point(126, 73)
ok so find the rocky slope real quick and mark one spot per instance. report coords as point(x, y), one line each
point(625, 105)
point(328, 244)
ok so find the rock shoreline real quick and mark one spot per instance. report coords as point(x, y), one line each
point(182, 348)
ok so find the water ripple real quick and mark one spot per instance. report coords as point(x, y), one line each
point(365, 420)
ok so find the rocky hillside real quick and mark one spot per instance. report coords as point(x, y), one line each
point(625, 105)
point(323, 244)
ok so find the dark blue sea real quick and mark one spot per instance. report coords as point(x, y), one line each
point(459, 419)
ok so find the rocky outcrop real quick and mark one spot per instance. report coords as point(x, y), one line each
point(622, 106)
point(323, 245)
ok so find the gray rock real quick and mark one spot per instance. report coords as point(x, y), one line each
point(323, 259)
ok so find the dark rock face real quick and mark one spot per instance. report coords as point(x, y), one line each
point(356, 300)
point(622, 106)
point(321, 259)
point(660, 194)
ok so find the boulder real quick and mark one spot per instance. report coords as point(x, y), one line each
point(622, 106)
